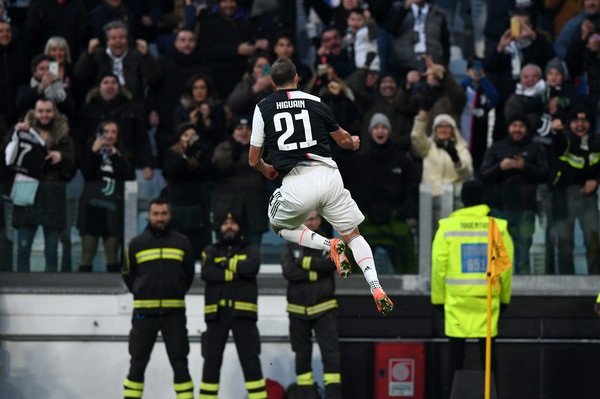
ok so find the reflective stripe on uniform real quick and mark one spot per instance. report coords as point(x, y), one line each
point(459, 281)
point(133, 385)
point(332, 378)
point(313, 276)
point(258, 395)
point(158, 303)
point(462, 233)
point(255, 384)
point(207, 386)
point(248, 306)
point(211, 308)
point(159, 253)
point(312, 310)
point(131, 393)
point(230, 303)
point(306, 262)
point(573, 160)
point(256, 389)
point(305, 378)
point(184, 386)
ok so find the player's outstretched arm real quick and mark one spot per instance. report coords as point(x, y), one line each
point(256, 162)
point(345, 140)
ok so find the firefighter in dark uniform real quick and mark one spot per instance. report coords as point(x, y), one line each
point(159, 272)
point(229, 268)
point(312, 306)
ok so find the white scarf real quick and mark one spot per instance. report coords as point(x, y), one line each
point(117, 65)
point(536, 90)
point(516, 55)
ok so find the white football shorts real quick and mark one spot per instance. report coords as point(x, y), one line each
point(314, 187)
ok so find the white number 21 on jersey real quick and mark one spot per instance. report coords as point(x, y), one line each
point(289, 130)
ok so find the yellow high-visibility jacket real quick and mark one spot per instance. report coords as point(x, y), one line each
point(458, 272)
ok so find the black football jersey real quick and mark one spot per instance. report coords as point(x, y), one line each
point(27, 153)
point(293, 126)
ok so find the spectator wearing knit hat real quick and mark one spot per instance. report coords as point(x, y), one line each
point(559, 96)
point(513, 167)
point(446, 158)
point(386, 187)
point(238, 187)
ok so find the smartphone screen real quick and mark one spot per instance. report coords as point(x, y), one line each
point(53, 68)
point(266, 70)
point(515, 26)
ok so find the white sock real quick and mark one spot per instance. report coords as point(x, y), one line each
point(306, 237)
point(364, 258)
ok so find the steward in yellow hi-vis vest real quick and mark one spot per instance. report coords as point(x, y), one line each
point(597, 306)
point(312, 306)
point(229, 269)
point(458, 275)
point(458, 272)
point(159, 272)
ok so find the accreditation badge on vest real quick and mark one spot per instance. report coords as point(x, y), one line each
point(473, 258)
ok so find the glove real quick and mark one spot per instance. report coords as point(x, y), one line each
point(503, 307)
point(426, 100)
point(451, 150)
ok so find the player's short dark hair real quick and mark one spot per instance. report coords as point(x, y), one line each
point(160, 201)
point(283, 72)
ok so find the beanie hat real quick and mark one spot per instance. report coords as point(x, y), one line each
point(519, 117)
point(242, 120)
point(184, 127)
point(444, 118)
point(559, 65)
point(220, 219)
point(107, 73)
point(223, 216)
point(378, 118)
point(579, 109)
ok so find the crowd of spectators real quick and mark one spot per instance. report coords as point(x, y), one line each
point(115, 87)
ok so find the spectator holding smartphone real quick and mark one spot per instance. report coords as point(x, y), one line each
point(44, 83)
point(105, 169)
point(513, 167)
point(255, 85)
point(200, 105)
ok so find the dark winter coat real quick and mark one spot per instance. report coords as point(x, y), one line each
point(47, 18)
point(137, 69)
point(12, 74)
point(219, 39)
point(239, 188)
point(230, 275)
point(129, 116)
point(164, 279)
point(311, 281)
point(514, 189)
